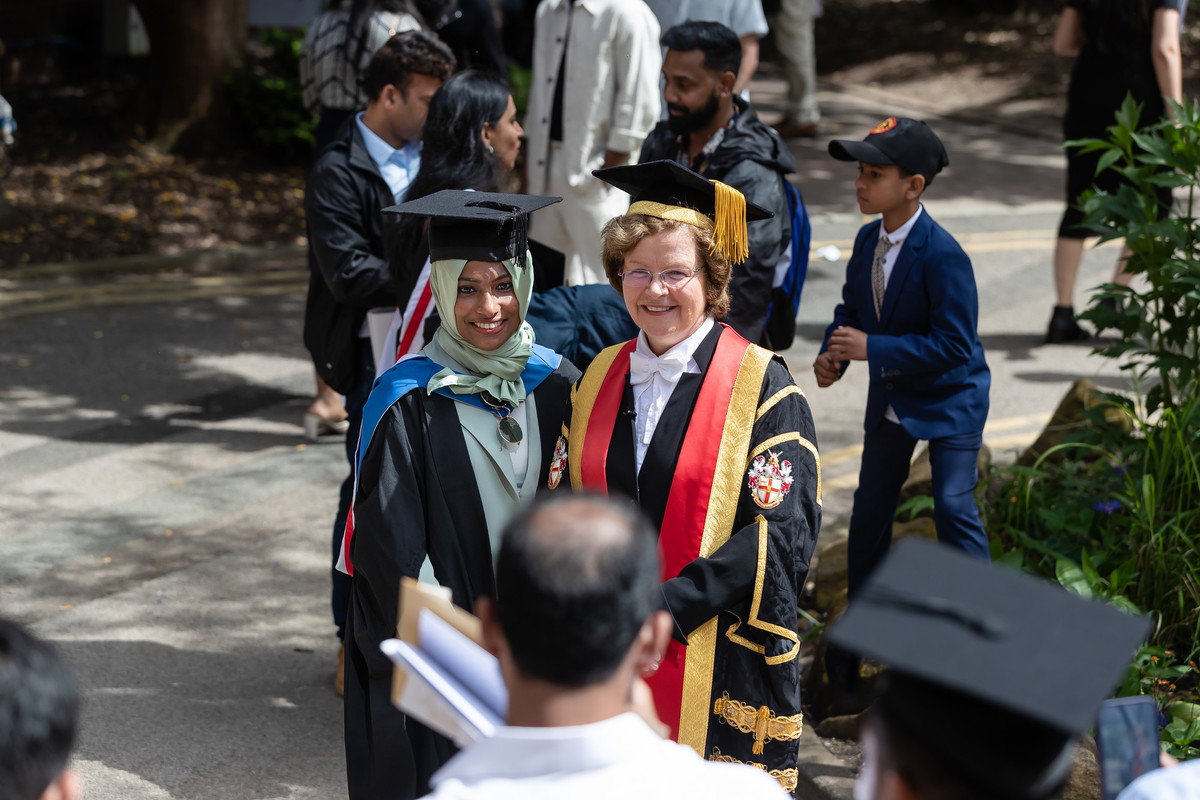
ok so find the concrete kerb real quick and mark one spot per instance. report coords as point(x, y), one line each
point(822, 776)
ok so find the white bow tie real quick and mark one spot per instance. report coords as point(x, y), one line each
point(669, 367)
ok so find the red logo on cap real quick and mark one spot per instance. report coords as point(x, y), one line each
point(884, 126)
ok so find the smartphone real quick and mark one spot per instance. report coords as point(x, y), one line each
point(1127, 740)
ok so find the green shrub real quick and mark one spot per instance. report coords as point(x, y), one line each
point(1114, 512)
point(267, 103)
point(1160, 325)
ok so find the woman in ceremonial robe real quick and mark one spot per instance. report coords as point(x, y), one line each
point(454, 439)
point(713, 439)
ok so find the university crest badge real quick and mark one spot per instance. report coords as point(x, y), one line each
point(558, 465)
point(769, 480)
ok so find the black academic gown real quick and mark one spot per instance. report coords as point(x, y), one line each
point(416, 495)
point(724, 583)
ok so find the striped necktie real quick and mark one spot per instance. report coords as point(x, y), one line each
point(877, 284)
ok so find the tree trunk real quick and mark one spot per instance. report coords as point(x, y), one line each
point(193, 44)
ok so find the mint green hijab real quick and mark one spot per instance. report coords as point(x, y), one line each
point(497, 372)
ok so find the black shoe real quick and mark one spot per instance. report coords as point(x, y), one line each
point(1064, 328)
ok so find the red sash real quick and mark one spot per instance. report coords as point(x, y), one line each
point(688, 502)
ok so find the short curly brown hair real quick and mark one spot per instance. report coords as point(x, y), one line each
point(621, 234)
point(404, 55)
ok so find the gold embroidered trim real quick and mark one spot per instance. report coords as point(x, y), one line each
point(788, 778)
point(718, 526)
point(583, 398)
point(674, 213)
point(791, 437)
point(756, 602)
point(763, 722)
point(566, 432)
point(774, 399)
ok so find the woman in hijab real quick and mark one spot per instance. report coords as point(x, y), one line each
point(454, 439)
point(472, 139)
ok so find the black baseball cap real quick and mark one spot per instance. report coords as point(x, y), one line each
point(995, 673)
point(476, 226)
point(907, 143)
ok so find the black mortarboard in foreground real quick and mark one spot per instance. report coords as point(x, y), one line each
point(994, 672)
point(905, 142)
point(476, 226)
point(669, 190)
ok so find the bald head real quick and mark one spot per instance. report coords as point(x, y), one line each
point(576, 577)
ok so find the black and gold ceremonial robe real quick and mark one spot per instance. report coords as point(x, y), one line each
point(416, 495)
point(732, 479)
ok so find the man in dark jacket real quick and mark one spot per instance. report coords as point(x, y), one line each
point(718, 134)
point(368, 167)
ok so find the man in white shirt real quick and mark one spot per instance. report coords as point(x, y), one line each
point(593, 99)
point(577, 621)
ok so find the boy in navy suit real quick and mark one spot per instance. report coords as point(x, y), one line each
point(910, 310)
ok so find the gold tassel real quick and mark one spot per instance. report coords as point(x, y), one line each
point(730, 235)
point(760, 729)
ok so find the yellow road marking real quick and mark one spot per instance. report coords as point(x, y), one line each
point(995, 443)
point(975, 243)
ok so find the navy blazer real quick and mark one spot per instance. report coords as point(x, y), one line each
point(923, 352)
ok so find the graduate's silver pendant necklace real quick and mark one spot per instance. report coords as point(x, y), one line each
point(509, 429)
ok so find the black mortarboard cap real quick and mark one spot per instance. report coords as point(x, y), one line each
point(476, 226)
point(993, 671)
point(905, 142)
point(672, 191)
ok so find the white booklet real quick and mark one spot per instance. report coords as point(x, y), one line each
point(444, 678)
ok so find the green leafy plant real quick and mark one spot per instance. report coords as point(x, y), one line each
point(267, 102)
point(1182, 729)
point(1160, 324)
point(1113, 512)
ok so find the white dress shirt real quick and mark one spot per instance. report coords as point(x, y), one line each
point(616, 757)
point(650, 396)
point(897, 238)
point(397, 167)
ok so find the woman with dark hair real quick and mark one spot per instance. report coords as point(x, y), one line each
point(472, 138)
point(1122, 47)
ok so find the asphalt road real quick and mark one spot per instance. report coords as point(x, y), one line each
point(163, 522)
